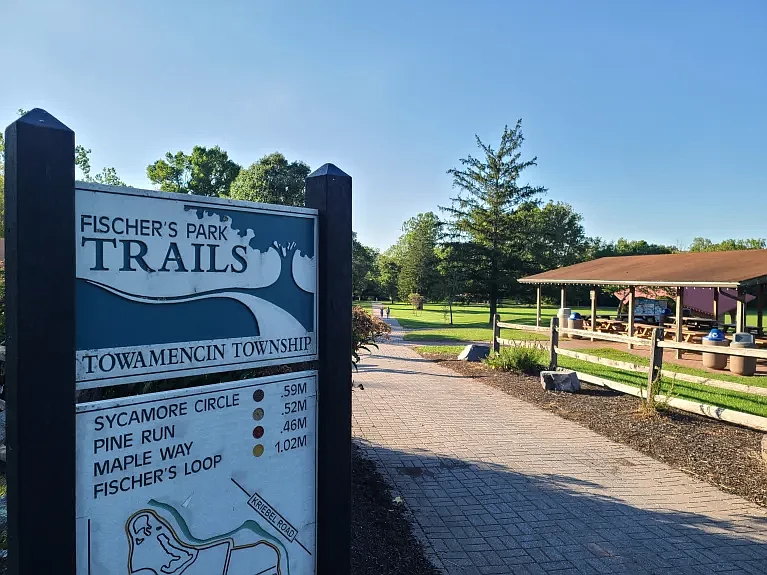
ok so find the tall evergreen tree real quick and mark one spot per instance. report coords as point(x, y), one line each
point(482, 213)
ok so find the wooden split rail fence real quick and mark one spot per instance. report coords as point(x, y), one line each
point(657, 344)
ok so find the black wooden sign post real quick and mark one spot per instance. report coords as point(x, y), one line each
point(329, 190)
point(40, 343)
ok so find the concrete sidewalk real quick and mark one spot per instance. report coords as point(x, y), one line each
point(498, 486)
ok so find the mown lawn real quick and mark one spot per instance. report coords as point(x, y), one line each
point(746, 403)
point(470, 323)
point(754, 404)
point(618, 355)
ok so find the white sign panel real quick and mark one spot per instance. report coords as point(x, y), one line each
point(214, 480)
point(170, 285)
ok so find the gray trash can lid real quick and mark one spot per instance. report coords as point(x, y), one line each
point(743, 337)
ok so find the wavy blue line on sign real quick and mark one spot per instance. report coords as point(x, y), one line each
point(105, 319)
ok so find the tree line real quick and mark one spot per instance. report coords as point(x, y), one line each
point(205, 171)
point(495, 230)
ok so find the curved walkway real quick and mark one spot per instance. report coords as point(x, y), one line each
point(497, 486)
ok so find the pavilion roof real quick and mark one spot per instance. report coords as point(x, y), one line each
point(704, 269)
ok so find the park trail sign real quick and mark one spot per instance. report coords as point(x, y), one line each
point(109, 286)
point(171, 285)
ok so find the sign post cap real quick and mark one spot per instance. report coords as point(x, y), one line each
point(328, 170)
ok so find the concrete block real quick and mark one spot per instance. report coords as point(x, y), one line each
point(474, 352)
point(764, 447)
point(560, 381)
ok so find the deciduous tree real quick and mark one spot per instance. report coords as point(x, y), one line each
point(204, 172)
point(706, 245)
point(107, 176)
point(418, 263)
point(272, 180)
point(388, 275)
point(364, 268)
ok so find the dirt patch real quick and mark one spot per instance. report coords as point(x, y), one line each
point(722, 454)
point(382, 541)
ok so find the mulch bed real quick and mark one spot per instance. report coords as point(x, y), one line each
point(382, 541)
point(725, 455)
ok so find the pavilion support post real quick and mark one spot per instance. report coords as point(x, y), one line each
point(632, 307)
point(740, 312)
point(678, 326)
point(593, 326)
point(716, 304)
point(760, 306)
point(538, 306)
point(564, 297)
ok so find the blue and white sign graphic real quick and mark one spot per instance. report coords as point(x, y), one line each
point(171, 285)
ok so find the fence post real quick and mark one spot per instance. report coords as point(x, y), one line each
point(553, 343)
point(40, 377)
point(496, 333)
point(656, 364)
point(329, 190)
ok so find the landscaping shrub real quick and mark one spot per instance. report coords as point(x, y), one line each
point(366, 329)
point(528, 359)
point(416, 300)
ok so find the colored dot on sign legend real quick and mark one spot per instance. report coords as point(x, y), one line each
point(258, 450)
point(258, 432)
point(258, 414)
point(258, 395)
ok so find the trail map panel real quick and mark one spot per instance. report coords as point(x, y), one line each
point(214, 480)
point(170, 285)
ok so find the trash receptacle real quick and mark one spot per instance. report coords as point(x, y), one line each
point(715, 360)
point(564, 314)
point(742, 365)
point(575, 321)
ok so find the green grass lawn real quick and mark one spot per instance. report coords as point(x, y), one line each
point(470, 322)
point(439, 349)
point(626, 356)
point(754, 404)
point(746, 403)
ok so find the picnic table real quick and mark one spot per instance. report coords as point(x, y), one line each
point(756, 331)
point(644, 329)
point(609, 325)
point(700, 322)
point(688, 335)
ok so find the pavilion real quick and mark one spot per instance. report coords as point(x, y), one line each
point(734, 274)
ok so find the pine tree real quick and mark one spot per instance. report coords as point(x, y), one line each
point(483, 211)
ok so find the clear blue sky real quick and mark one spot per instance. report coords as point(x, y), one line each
point(637, 111)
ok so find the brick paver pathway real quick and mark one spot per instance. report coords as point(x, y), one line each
point(496, 485)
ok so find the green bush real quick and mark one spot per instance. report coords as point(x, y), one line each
point(529, 359)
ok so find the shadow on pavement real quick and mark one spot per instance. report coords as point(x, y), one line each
point(476, 517)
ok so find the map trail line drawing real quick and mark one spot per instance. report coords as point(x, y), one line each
point(155, 548)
